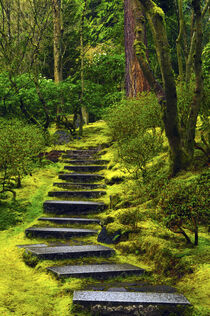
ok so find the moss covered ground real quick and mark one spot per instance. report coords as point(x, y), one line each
point(27, 289)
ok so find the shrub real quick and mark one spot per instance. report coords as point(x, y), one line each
point(132, 125)
point(185, 205)
point(19, 147)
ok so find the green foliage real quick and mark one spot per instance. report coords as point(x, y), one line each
point(20, 145)
point(130, 217)
point(39, 96)
point(11, 213)
point(206, 60)
point(186, 204)
point(132, 126)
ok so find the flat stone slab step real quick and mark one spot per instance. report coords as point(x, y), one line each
point(101, 271)
point(70, 220)
point(71, 252)
point(85, 168)
point(72, 207)
point(32, 246)
point(79, 177)
point(84, 194)
point(128, 298)
point(87, 162)
point(49, 232)
point(72, 185)
point(82, 151)
point(80, 154)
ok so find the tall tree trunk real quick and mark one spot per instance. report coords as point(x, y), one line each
point(135, 80)
point(198, 93)
point(84, 117)
point(179, 40)
point(156, 18)
point(57, 40)
point(194, 26)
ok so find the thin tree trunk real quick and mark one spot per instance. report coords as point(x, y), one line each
point(185, 235)
point(179, 40)
point(84, 117)
point(57, 40)
point(189, 61)
point(198, 93)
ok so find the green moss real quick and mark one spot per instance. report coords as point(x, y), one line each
point(157, 11)
point(196, 287)
point(140, 49)
point(33, 291)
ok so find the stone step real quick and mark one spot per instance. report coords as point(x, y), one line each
point(72, 194)
point(72, 207)
point(80, 154)
point(128, 298)
point(64, 232)
point(70, 220)
point(101, 271)
point(78, 177)
point(71, 185)
point(71, 252)
point(32, 245)
point(82, 151)
point(85, 168)
point(87, 162)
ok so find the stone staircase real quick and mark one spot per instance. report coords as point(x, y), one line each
point(84, 184)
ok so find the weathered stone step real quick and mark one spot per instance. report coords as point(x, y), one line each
point(84, 194)
point(77, 186)
point(72, 207)
point(85, 168)
point(32, 245)
point(101, 271)
point(128, 298)
point(70, 220)
point(82, 151)
point(71, 252)
point(87, 162)
point(79, 177)
point(80, 154)
point(49, 232)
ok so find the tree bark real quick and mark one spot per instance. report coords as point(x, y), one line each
point(135, 81)
point(57, 44)
point(57, 40)
point(156, 19)
point(84, 117)
point(179, 40)
point(198, 93)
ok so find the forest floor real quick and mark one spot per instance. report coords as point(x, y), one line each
point(145, 242)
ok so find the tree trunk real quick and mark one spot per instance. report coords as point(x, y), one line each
point(198, 93)
point(179, 40)
point(84, 117)
point(156, 18)
point(135, 81)
point(57, 40)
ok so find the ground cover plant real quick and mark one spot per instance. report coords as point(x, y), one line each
point(145, 239)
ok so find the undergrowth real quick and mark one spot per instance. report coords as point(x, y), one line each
point(133, 208)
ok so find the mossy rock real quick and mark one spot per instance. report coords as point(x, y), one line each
point(115, 180)
point(29, 259)
point(109, 238)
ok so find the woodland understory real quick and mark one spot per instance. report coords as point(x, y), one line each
point(131, 78)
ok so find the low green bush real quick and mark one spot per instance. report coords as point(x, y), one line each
point(20, 145)
point(185, 205)
point(133, 126)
